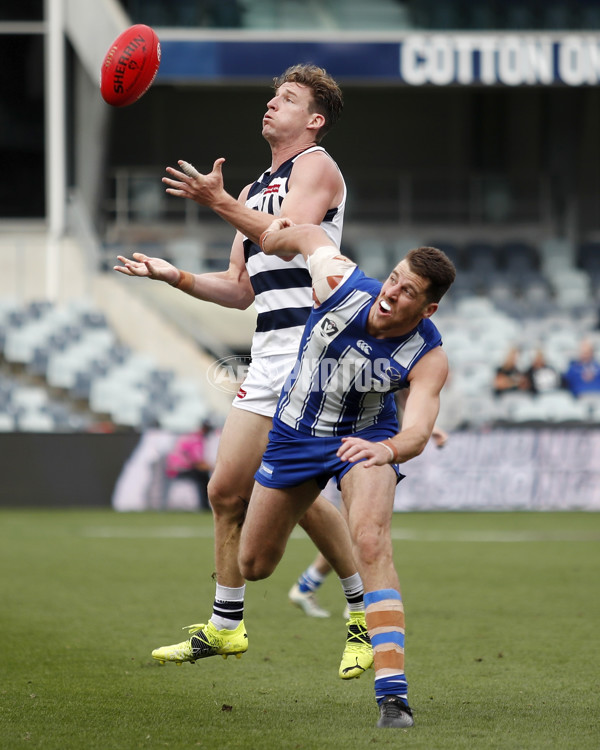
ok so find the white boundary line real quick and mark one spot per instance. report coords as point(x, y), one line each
point(409, 535)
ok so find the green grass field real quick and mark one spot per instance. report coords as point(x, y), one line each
point(503, 614)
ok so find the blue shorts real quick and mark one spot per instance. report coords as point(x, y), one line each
point(293, 457)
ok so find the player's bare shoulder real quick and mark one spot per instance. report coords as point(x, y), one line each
point(318, 165)
point(432, 369)
point(243, 196)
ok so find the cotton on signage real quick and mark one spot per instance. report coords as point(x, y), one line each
point(511, 60)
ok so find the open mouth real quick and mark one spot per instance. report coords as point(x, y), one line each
point(384, 306)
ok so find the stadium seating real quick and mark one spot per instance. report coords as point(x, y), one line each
point(525, 411)
point(536, 304)
point(481, 258)
point(518, 258)
point(356, 14)
point(507, 293)
point(589, 14)
point(591, 406)
point(63, 369)
point(373, 256)
point(588, 260)
point(514, 15)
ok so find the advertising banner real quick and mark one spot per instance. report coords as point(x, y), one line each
point(417, 59)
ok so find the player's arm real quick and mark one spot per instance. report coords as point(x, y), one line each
point(327, 266)
point(284, 238)
point(314, 187)
point(438, 435)
point(230, 288)
point(420, 412)
point(209, 190)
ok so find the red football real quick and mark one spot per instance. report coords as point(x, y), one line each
point(130, 66)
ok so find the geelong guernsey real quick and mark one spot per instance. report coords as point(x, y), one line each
point(283, 296)
point(343, 380)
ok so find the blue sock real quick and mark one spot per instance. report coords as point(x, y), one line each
point(385, 620)
point(310, 580)
point(393, 685)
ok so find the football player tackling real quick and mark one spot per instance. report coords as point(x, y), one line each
point(336, 417)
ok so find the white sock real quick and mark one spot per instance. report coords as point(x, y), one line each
point(354, 592)
point(228, 607)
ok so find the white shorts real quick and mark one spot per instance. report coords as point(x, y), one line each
point(330, 492)
point(259, 393)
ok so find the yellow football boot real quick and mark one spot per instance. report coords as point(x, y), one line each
point(358, 653)
point(205, 641)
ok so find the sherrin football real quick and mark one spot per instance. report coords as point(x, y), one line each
point(130, 66)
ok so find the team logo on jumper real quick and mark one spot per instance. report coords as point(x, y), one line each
point(329, 327)
point(364, 347)
point(393, 374)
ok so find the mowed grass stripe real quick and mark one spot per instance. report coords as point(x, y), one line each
point(502, 645)
point(184, 532)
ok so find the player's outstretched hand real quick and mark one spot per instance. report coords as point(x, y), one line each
point(355, 449)
point(439, 437)
point(153, 268)
point(187, 182)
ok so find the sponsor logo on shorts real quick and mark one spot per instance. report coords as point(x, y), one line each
point(266, 469)
point(241, 393)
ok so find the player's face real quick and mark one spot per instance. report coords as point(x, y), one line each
point(288, 113)
point(401, 304)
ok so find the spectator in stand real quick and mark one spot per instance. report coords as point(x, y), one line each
point(583, 373)
point(509, 378)
point(191, 457)
point(541, 376)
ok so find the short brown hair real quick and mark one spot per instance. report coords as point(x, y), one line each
point(435, 266)
point(327, 95)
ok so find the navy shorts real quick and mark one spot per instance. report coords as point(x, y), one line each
point(293, 457)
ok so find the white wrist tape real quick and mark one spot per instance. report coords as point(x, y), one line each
point(392, 454)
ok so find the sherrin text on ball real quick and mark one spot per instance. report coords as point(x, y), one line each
point(130, 65)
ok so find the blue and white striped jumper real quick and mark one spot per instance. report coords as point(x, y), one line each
point(344, 379)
